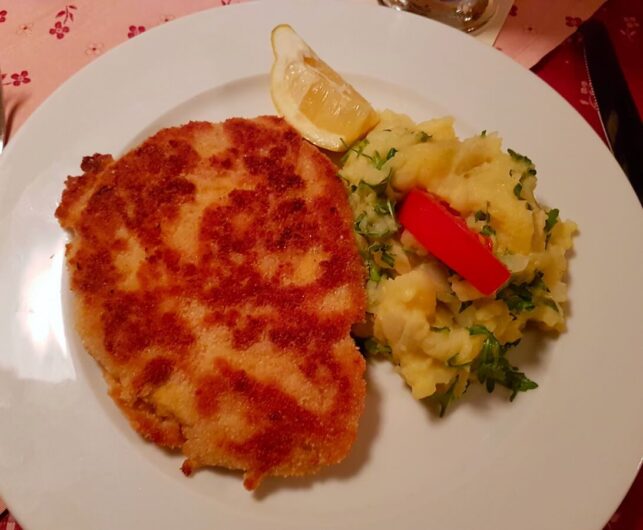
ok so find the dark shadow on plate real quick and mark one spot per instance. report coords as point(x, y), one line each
point(12, 102)
point(357, 458)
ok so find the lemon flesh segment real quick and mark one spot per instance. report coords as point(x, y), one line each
point(313, 98)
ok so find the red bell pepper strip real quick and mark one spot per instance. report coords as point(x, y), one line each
point(445, 234)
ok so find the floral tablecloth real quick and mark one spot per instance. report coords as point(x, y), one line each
point(43, 42)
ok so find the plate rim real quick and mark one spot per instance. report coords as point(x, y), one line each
point(35, 118)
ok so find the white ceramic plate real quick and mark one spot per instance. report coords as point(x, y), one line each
point(560, 457)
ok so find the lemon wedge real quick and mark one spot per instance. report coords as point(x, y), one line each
point(312, 97)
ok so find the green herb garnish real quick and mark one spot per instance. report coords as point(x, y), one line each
point(384, 207)
point(377, 160)
point(481, 216)
point(487, 230)
point(550, 222)
point(372, 346)
point(518, 297)
point(374, 270)
point(444, 399)
point(452, 362)
point(526, 296)
point(518, 190)
point(550, 303)
point(538, 282)
point(379, 261)
point(519, 158)
point(552, 219)
point(492, 367)
point(381, 187)
point(384, 252)
point(423, 137)
point(357, 148)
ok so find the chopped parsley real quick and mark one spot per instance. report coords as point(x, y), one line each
point(379, 261)
point(377, 160)
point(384, 206)
point(357, 148)
point(365, 228)
point(423, 137)
point(375, 222)
point(552, 219)
point(526, 296)
point(487, 230)
point(444, 399)
point(375, 272)
point(383, 224)
point(483, 133)
point(519, 158)
point(381, 187)
point(550, 303)
point(518, 190)
point(550, 222)
point(452, 362)
point(538, 282)
point(481, 216)
point(372, 346)
point(491, 367)
point(518, 297)
point(384, 252)
point(529, 172)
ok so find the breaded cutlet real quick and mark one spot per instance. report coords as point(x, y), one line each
point(216, 278)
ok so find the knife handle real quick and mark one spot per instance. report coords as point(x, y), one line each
point(619, 115)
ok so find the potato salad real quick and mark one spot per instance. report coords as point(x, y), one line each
point(461, 257)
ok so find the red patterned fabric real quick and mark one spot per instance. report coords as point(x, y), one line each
point(564, 68)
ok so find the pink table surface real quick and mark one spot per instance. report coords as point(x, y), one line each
point(43, 42)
